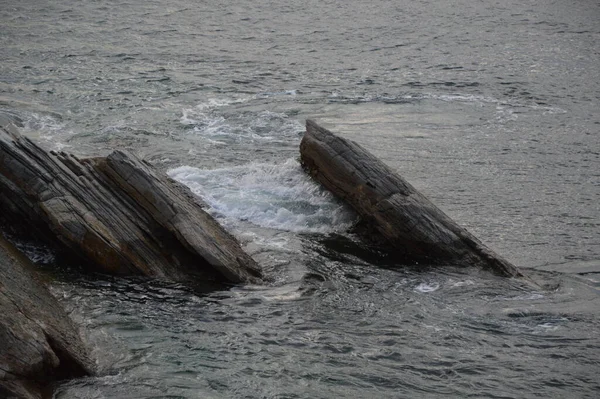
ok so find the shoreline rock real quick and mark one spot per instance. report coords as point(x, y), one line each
point(389, 207)
point(116, 214)
point(39, 345)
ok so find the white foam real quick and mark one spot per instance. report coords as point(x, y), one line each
point(43, 122)
point(35, 253)
point(269, 94)
point(262, 126)
point(525, 297)
point(48, 127)
point(547, 327)
point(200, 113)
point(427, 287)
point(465, 283)
point(278, 196)
point(456, 97)
point(501, 105)
point(212, 103)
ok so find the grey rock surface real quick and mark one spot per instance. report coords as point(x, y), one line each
point(117, 214)
point(38, 343)
point(389, 206)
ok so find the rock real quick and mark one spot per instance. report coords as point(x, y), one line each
point(389, 206)
point(117, 214)
point(39, 345)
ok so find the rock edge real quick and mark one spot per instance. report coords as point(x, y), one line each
point(117, 214)
point(390, 207)
point(39, 344)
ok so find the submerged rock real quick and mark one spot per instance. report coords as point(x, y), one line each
point(389, 206)
point(39, 345)
point(116, 213)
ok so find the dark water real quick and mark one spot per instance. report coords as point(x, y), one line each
point(490, 108)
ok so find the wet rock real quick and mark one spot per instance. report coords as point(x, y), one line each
point(390, 208)
point(39, 345)
point(116, 214)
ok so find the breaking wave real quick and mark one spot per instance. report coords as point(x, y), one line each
point(277, 196)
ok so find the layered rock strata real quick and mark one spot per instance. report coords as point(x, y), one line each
point(39, 346)
point(390, 207)
point(116, 214)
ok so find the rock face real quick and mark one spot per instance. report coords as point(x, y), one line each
point(38, 343)
point(117, 214)
point(389, 206)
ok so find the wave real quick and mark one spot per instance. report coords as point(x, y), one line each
point(277, 196)
point(208, 120)
point(479, 100)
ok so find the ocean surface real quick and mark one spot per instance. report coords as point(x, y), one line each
point(490, 108)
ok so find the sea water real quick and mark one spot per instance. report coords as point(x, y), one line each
point(488, 108)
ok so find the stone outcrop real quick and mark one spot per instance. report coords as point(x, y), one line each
point(390, 207)
point(39, 345)
point(116, 214)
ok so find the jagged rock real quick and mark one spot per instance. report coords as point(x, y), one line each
point(391, 208)
point(38, 343)
point(117, 214)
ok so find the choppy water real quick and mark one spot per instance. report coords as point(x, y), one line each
point(490, 108)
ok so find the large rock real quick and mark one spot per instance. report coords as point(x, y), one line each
point(389, 206)
point(117, 214)
point(39, 345)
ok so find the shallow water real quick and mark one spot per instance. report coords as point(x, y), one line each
point(490, 109)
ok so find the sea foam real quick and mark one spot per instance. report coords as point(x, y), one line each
point(278, 196)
